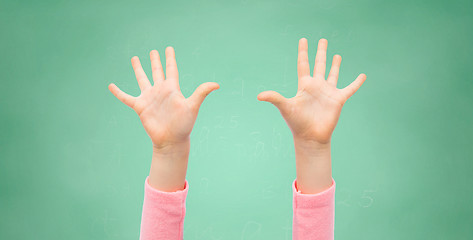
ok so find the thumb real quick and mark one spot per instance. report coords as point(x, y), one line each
point(273, 97)
point(201, 92)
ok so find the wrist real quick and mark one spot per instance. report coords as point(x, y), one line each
point(313, 165)
point(167, 150)
point(308, 145)
point(169, 166)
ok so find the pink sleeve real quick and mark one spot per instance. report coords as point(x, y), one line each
point(163, 213)
point(313, 214)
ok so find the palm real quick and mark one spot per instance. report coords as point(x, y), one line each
point(167, 116)
point(314, 112)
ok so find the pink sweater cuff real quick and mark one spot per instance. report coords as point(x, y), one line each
point(314, 214)
point(165, 197)
point(324, 198)
point(163, 213)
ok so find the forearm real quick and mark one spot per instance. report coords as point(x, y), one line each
point(169, 167)
point(313, 166)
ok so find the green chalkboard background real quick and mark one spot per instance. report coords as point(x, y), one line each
point(73, 159)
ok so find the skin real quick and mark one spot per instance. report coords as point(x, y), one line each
point(167, 117)
point(312, 115)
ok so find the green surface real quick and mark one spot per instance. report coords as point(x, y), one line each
point(74, 158)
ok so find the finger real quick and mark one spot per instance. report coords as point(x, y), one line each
point(349, 90)
point(171, 66)
point(303, 59)
point(321, 59)
point(156, 66)
point(202, 92)
point(333, 75)
point(273, 97)
point(141, 77)
point(123, 97)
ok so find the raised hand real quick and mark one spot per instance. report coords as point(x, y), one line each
point(313, 113)
point(167, 116)
point(312, 116)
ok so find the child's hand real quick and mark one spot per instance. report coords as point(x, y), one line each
point(313, 113)
point(167, 116)
point(312, 116)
